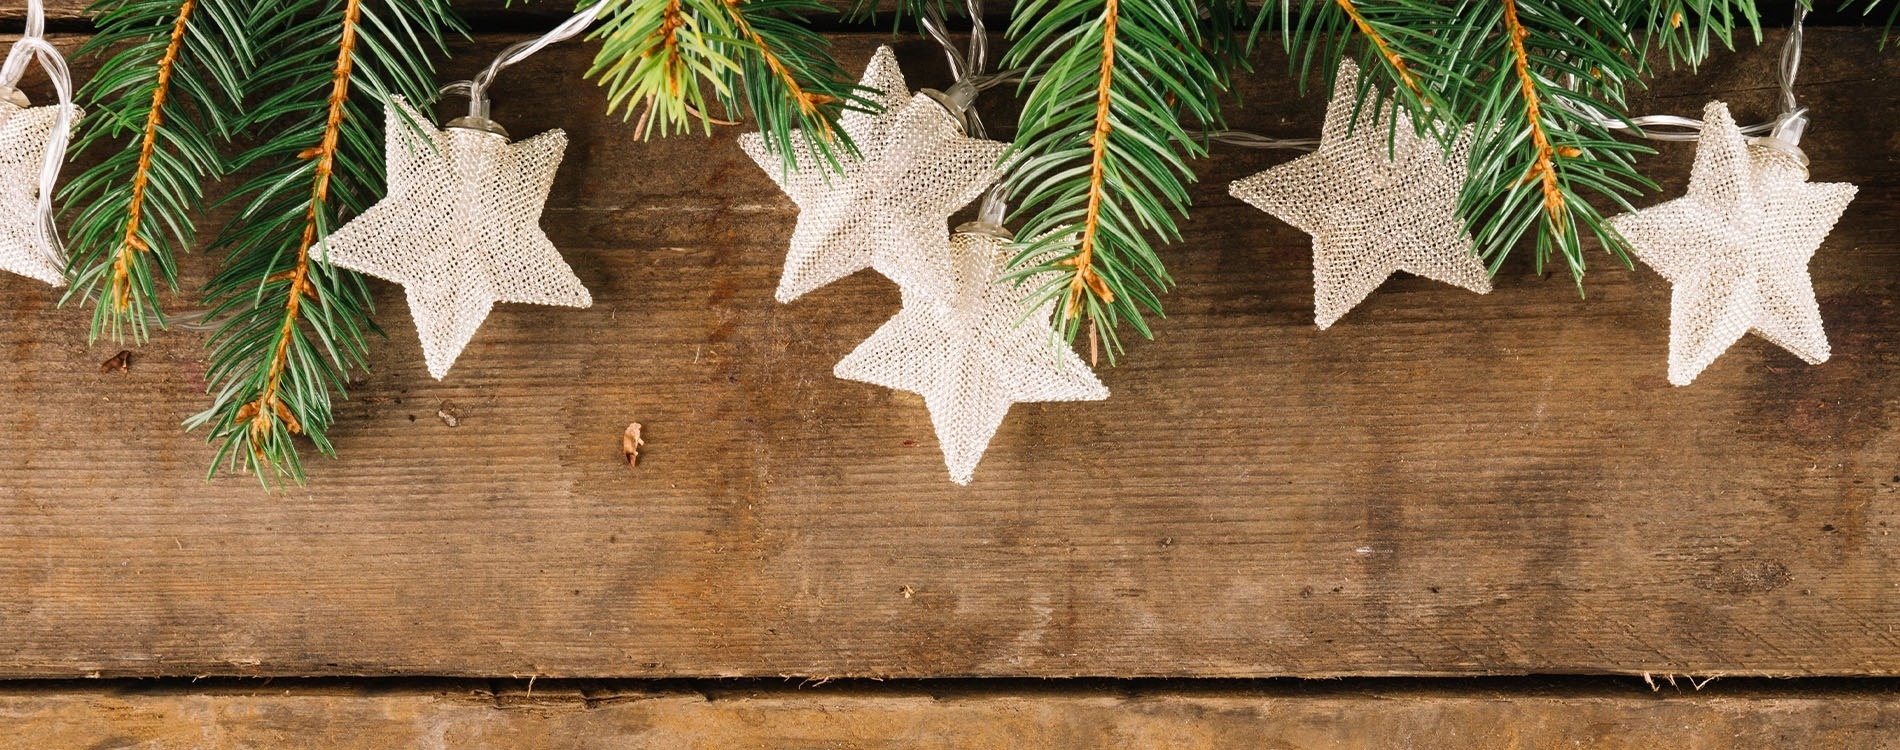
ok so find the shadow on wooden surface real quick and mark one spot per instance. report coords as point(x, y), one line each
point(1442, 484)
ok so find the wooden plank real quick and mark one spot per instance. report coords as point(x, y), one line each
point(502, 15)
point(72, 15)
point(60, 14)
point(561, 718)
point(1443, 483)
point(496, 15)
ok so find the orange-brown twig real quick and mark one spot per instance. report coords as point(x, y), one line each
point(808, 102)
point(1086, 279)
point(671, 19)
point(121, 292)
point(1544, 169)
point(1385, 50)
point(268, 404)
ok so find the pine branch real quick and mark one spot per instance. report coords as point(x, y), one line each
point(666, 59)
point(865, 11)
point(1542, 74)
point(1086, 278)
point(1381, 36)
point(1544, 159)
point(1867, 9)
point(1103, 151)
point(1227, 35)
point(1684, 29)
point(165, 100)
point(293, 326)
point(1385, 48)
point(1534, 79)
point(651, 57)
point(787, 77)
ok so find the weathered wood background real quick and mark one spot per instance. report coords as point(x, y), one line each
point(1442, 484)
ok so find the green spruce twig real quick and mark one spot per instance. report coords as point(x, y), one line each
point(1103, 151)
point(1550, 69)
point(293, 327)
point(164, 102)
point(1543, 85)
point(664, 61)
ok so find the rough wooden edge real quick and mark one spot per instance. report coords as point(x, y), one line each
point(1348, 714)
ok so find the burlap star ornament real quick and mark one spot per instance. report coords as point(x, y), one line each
point(460, 229)
point(1735, 248)
point(1374, 206)
point(915, 167)
point(972, 353)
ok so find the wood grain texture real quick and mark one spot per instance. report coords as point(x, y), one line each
point(59, 13)
point(1442, 484)
point(71, 15)
point(558, 718)
point(496, 15)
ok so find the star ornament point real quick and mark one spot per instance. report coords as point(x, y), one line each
point(27, 246)
point(972, 354)
point(1735, 249)
point(1377, 199)
point(915, 167)
point(460, 229)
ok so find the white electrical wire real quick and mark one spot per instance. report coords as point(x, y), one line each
point(1782, 133)
point(968, 71)
point(477, 89)
point(1245, 139)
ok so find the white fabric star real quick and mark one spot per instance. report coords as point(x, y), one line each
point(1735, 249)
point(972, 354)
point(460, 229)
point(1372, 211)
point(915, 168)
point(25, 247)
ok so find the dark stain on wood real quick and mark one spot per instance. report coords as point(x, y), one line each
point(1744, 577)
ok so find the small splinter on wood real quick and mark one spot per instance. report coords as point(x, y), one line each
point(630, 443)
point(120, 362)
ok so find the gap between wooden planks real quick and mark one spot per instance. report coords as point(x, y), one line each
point(1179, 716)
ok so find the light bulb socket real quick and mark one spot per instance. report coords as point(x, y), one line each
point(1785, 137)
point(956, 101)
point(1789, 126)
point(481, 124)
point(987, 229)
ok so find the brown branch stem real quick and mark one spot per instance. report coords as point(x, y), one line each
point(1544, 169)
point(121, 291)
point(268, 405)
point(672, 18)
point(1392, 58)
point(808, 102)
point(1086, 280)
